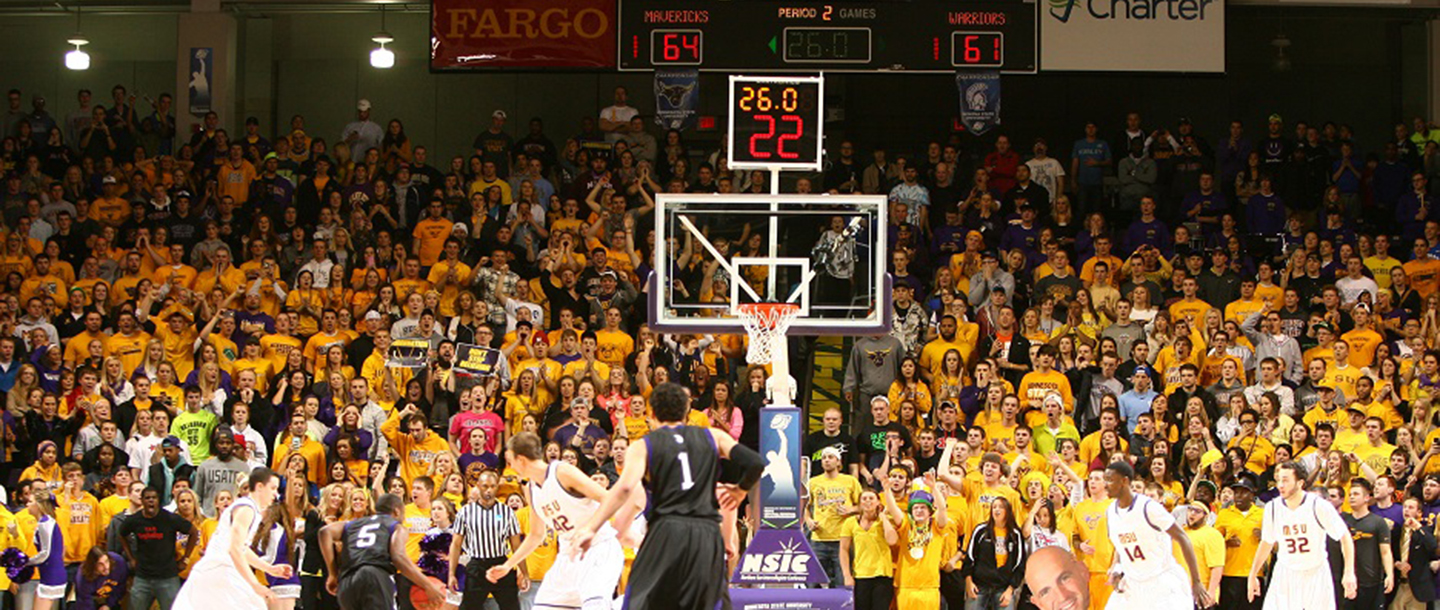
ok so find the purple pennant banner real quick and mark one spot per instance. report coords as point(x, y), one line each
point(791, 599)
point(776, 557)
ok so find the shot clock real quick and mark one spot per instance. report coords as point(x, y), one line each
point(776, 122)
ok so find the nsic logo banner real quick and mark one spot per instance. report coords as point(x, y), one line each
point(776, 557)
point(1133, 35)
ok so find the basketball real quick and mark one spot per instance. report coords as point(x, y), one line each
point(422, 600)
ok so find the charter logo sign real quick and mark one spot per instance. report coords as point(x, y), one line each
point(1133, 35)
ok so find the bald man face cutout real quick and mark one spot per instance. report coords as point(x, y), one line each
point(1057, 580)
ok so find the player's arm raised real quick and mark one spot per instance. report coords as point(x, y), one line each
point(408, 568)
point(1198, 586)
point(636, 464)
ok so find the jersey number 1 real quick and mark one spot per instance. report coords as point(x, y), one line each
point(689, 481)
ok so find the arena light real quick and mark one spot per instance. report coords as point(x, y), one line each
point(77, 58)
point(382, 57)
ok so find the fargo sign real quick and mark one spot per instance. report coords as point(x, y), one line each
point(577, 34)
point(1133, 35)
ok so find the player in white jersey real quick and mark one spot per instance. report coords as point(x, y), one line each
point(1297, 523)
point(564, 500)
point(1145, 573)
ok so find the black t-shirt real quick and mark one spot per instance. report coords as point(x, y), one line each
point(870, 442)
point(155, 539)
point(818, 440)
point(1369, 533)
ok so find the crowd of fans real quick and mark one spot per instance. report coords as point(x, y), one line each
point(176, 309)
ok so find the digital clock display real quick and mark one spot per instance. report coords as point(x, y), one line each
point(858, 36)
point(775, 122)
point(827, 45)
point(977, 49)
point(677, 47)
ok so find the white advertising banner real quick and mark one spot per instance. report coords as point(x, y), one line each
point(1133, 35)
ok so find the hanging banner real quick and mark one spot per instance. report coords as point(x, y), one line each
point(488, 34)
point(677, 93)
point(779, 557)
point(1101, 35)
point(792, 599)
point(780, 444)
point(202, 71)
point(979, 100)
point(409, 353)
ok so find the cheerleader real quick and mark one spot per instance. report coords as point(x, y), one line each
point(48, 585)
point(279, 542)
point(442, 515)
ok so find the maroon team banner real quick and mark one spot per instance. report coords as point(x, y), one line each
point(570, 34)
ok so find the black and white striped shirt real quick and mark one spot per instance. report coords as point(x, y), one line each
point(486, 531)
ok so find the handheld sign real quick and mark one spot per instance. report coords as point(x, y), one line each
point(409, 353)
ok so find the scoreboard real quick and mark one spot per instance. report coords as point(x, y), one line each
point(917, 36)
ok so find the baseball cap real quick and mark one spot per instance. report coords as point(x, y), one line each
point(609, 274)
point(252, 121)
point(831, 452)
point(373, 315)
point(269, 156)
point(1322, 386)
point(947, 405)
point(880, 399)
point(171, 441)
point(107, 180)
point(461, 227)
point(1275, 118)
point(1355, 406)
point(1210, 457)
point(1143, 370)
point(363, 105)
point(499, 114)
point(1324, 325)
point(1245, 481)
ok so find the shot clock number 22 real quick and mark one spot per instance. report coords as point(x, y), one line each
point(775, 123)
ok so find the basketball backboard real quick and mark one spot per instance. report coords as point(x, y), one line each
point(824, 253)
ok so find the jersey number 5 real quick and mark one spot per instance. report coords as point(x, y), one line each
point(365, 538)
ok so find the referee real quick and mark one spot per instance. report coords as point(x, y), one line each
point(486, 530)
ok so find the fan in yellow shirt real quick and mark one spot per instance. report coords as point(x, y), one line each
point(869, 536)
point(78, 514)
point(927, 542)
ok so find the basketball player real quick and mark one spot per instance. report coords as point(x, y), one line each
point(1298, 522)
point(1145, 574)
point(374, 549)
point(681, 563)
point(565, 497)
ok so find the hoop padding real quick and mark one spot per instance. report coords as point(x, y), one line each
point(766, 324)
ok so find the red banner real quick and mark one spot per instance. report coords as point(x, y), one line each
point(522, 34)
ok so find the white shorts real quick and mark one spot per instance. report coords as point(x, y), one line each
point(286, 591)
point(1169, 589)
point(1312, 589)
point(50, 591)
point(587, 582)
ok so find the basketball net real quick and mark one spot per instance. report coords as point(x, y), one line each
point(766, 324)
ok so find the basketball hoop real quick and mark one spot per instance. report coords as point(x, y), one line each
point(766, 324)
